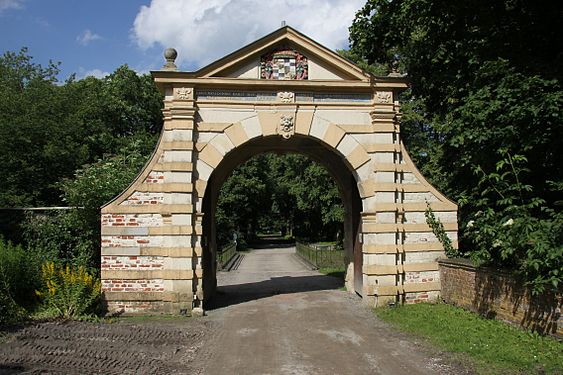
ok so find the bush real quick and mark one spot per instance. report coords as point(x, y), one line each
point(69, 292)
point(514, 229)
point(73, 236)
point(10, 311)
point(19, 272)
point(60, 235)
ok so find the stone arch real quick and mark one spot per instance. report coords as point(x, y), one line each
point(229, 136)
point(335, 164)
point(151, 234)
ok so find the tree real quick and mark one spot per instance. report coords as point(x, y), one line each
point(286, 193)
point(73, 236)
point(485, 84)
point(485, 77)
point(48, 129)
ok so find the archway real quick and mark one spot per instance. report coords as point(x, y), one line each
point(323, 154)
point(283, 92)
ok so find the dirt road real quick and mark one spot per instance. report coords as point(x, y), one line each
point(272, 316)
point(278, 317)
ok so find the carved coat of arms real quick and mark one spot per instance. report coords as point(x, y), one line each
point(285, 64)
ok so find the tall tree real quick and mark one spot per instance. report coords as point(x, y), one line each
point(485, 81)
point(287, 193)
point(48, 129)
point(486, 93)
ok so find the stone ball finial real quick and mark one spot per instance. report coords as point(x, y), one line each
point(170, 55)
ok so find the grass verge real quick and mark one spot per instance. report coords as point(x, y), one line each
point(495, 347)
point(333, 271)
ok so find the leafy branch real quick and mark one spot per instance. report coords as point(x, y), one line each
point(440, 232)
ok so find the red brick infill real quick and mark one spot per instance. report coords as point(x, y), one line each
point(497, 294)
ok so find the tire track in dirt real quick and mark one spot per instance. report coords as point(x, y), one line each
point(150, 347)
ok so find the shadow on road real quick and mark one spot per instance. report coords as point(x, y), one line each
point(228, 295)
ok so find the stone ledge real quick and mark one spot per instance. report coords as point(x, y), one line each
point(176, 252)
point(108, 275)
point(148, 209)
point(399, 268)
point(169, 230)
point(467, 264)
point(147, 296)
point(392, 290)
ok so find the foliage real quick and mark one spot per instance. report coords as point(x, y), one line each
point(495, 347)
point(443, 45)
point(485, 84)
point(48, 129)
point(73, 236)
point(10, 311)
point(373, 68)
point(18, 280)
point(77, 143)
point(241, 196)
point(279, 193)
point(69, 292)
point(58, 235)
point(440, 232)
point(19, 272)
point(507, 232)
point(485, 77)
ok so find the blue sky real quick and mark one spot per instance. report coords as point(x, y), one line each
point(95, 37)
point(51, 30)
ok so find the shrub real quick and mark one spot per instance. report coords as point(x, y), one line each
point(10, 311)
point(60, 235)
point(19, 272)
point(69, 292)
point(515, 229)
point(73, 236)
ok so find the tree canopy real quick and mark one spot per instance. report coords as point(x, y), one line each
point(289, 194)
point(49, 129)
point(483, 116)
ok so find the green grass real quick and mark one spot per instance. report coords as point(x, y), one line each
point(495, 347)
point(338, 272)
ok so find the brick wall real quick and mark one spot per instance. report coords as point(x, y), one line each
point(496, 294)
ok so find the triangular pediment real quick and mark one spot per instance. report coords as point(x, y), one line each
point(285, 54)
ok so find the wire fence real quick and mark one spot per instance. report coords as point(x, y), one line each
point(321, 256)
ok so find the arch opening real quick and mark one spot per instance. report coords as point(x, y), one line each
point(329, 159)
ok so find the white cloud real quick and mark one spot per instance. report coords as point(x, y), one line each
point(86, 37)
point(10, 4)
point(83, 73)
point(205, 30)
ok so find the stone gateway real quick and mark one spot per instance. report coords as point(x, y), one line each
point(282, 93)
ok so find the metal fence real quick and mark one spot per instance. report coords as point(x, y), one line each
point(321, 256)
point(226, 254)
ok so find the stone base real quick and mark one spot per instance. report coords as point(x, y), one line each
point(132, 308)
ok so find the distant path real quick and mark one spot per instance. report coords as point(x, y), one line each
point(281, 318)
